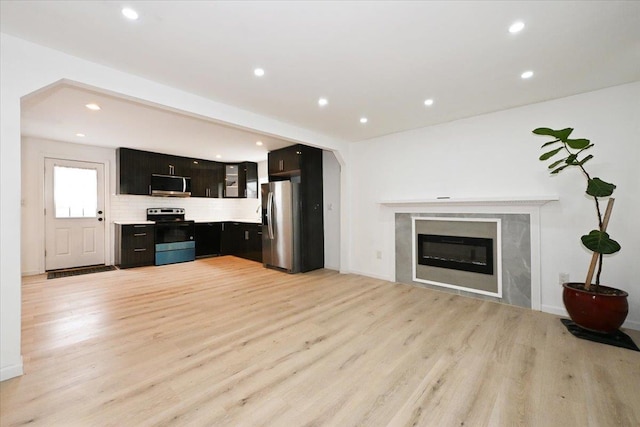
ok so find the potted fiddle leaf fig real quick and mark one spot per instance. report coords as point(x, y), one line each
point(591, 306)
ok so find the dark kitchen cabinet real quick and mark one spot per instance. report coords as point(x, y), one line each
point(134, 245)
point(306, 170)
point(165, 164)
point(285, 162)
point(208, 238)
point(133, 171)
point(241, 180)
point(243, 240)
point(206, 179)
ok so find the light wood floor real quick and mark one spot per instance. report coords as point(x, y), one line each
point(223, 341)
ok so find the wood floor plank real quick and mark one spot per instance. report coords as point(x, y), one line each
point(223, 341)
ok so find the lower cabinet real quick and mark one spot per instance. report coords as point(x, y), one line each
point(243, 240)
point(134, 245)
point(208, 239)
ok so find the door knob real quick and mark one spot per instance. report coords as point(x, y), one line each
point(99, 212)
point(99, 219)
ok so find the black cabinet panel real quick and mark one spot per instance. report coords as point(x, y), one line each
point(242, 240)
point(285, 162)
point(208, 238)
point(133, 171)
point(206, 179)
point(134, 245)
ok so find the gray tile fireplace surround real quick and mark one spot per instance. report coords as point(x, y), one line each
point(516, 255)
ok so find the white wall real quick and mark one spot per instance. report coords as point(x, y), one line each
point(497, 155)
point(26, 67)
point(331, 196)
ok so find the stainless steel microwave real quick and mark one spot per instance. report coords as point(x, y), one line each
point(170, 186)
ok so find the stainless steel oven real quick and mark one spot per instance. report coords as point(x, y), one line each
point(173, 236)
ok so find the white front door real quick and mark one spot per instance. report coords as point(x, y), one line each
point(74, 219)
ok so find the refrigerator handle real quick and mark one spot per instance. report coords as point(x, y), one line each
point(269, 215)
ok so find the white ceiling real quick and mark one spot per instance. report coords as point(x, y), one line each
point(376, 59)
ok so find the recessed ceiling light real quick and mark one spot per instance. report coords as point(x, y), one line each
point(428, 102)
point(93, 107)
point(259, 72)
point(363, 120)
point(322, 102)
point(258, 142)
point(516, 27)
point(527, 74)
point(130, 13)
point(218, 156)
point(81, 135)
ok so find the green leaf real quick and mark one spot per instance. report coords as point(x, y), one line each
point(559, 169)
point(556, 163)
point(550, 142)
point(578, 144)
point(571, 159)
point(599, 241)
point(550, 154)
point(599, 188)
point(585, 160)
point(561, 134)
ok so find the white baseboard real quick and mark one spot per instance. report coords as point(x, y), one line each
point(31, 273)
point(374, 276)
point(558, 311)
point(12, 371)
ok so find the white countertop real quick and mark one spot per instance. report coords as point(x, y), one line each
point(132, 222)
point(248, 221)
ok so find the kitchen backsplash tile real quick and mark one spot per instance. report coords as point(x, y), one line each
point(134, 208)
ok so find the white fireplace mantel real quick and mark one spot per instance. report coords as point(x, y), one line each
point(473, 201)
point(485, 205)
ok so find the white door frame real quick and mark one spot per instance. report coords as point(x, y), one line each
point(108, 239)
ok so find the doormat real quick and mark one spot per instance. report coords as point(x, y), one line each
point(617, 339)
point(78, 271)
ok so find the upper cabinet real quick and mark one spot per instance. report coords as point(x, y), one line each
point(209, 179)
point(285, 162)
point(206, 179)
point(241, 180)
point(133, 171)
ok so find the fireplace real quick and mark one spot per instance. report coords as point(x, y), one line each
point(456, 252)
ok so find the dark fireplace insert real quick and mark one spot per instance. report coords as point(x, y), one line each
point(473, 254)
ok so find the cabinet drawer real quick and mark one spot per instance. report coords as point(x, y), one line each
point(137, 236)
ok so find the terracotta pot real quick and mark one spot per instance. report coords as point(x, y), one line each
point(601, 312)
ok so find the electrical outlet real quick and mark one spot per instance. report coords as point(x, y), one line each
point(378, 254)
point(563, 278)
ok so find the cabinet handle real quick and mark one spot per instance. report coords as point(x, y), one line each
point(281, 165)
point(140, 250)
point(171, 170)
point(139, 226)
point(139, 234)
point(246, 235)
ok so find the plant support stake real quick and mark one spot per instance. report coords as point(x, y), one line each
point(596, 255)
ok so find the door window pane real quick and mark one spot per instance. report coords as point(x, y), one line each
point(75, 192)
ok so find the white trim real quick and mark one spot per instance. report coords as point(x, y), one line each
point(472, 201)
point(498, 272)
point(43, 155)
point(12, 371)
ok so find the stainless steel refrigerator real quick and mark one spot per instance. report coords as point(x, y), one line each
point(281, 226)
